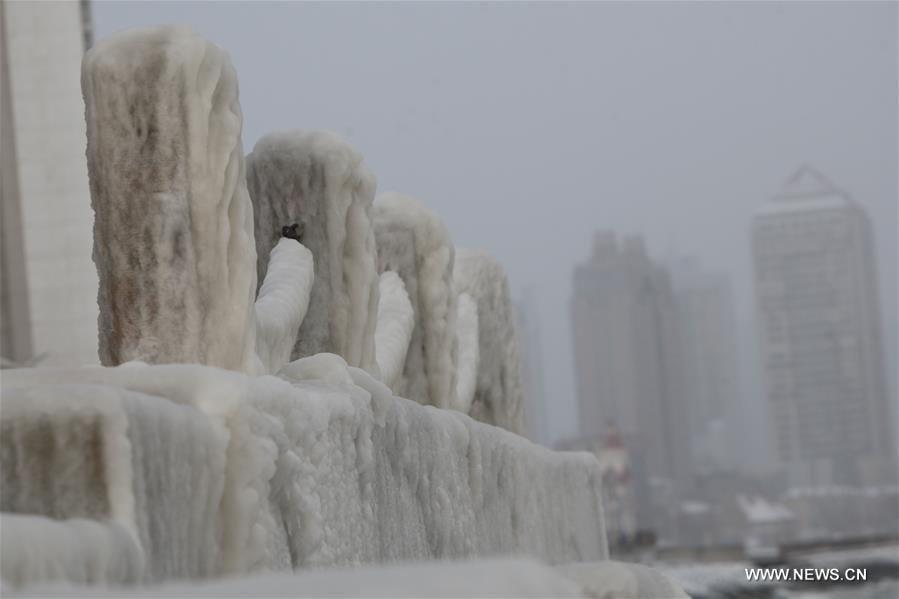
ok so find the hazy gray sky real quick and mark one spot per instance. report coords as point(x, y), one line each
point(528, 126)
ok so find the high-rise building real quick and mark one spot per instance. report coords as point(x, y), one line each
point(821, 347)
point(48, 283)
point(628, 365)
point(706, 320)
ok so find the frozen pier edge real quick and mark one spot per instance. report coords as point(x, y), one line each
point(190, 471)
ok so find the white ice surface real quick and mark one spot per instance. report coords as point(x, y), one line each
point(324, 368)
point(318, 181)
point(469, 352)
point(619, 580)
point(78, 551)
point(282, 303)
point(85, 450)
point(173, 231)
point(396, 320)
point(414, 243)
point(498, 395)
point(485, 578)
point(229, 474)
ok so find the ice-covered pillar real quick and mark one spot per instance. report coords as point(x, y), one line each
point(498, 395)
point(396, 321)
point(173, 230)
point(469, 356)
point(414, 243)
point(317, 181)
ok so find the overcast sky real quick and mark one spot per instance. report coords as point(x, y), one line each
point(528, 126)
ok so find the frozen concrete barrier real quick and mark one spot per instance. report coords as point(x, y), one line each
point(413, 242)
point(317, 181)
point(173, 231)
point(497, 395)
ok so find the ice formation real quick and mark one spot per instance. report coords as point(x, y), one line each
point(414, 243)
point(78, 551)
point(396, 320)
point(213, 472)
point(498, 396)
point(318, 182)
point(469, 352)
point(282, 303)
point(244, 445)
point(513, 578)
point(173, 230)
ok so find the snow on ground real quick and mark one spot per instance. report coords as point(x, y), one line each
point(319, 182)
point(498, 395)
point(282, 303)
point(396, 319)
point(173, 239)
point(413, 242)
point(215, 472)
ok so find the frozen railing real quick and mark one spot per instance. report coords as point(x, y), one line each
point(179, 458)
point(186, 227)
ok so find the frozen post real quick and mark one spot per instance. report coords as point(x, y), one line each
point(396, 321)
point(317, 181)
point(498, 396)
point(414, 243)
point(173, 237)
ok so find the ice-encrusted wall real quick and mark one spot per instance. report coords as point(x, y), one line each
point(189, 471)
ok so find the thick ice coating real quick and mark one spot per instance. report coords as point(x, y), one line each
point(282, 303)
point(211, 472)
point(469, 352)
point(414, 243)
point(507, 578)
point(497, 397)
point(396, 319)
point(173, 230)
point(317, 181)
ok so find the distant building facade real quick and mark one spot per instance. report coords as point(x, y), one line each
point(629, 367)
point(821, 346)
point(48, 283)
point(705, 311)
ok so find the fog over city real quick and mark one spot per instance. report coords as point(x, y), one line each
point(528, 126)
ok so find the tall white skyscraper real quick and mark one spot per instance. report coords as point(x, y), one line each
point(48, 285)
point(822, 355)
